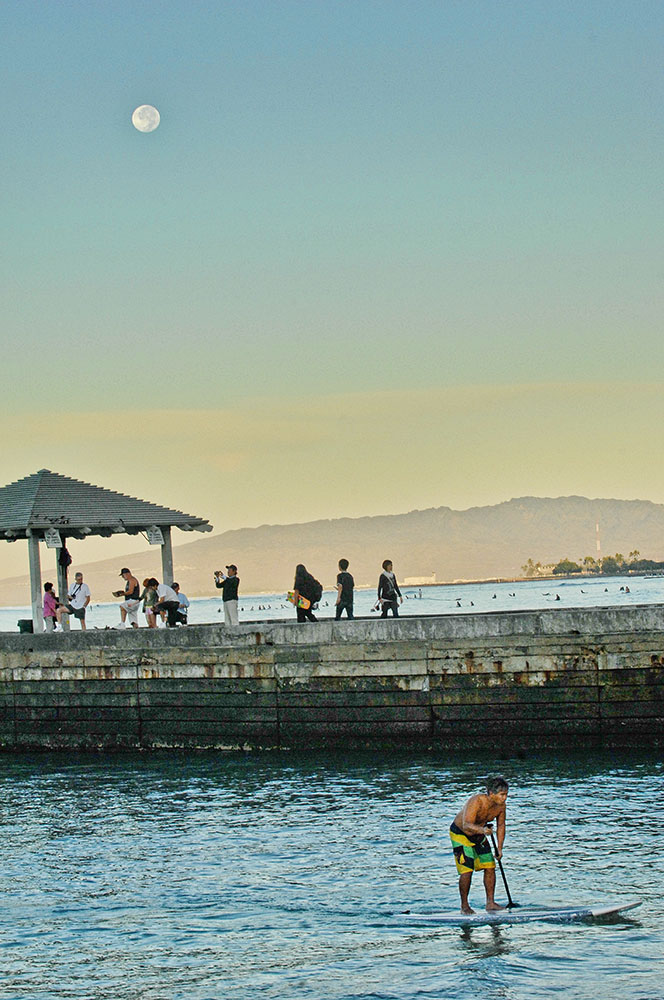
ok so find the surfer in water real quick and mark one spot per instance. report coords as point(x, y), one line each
point(472, 850)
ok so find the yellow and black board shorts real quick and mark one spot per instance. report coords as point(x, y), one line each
point(471, 854)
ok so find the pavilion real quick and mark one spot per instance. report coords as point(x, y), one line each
point(47, 507)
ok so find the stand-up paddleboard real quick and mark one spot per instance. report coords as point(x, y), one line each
point(518, 915)
point(303, 602)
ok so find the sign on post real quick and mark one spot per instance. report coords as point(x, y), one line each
point(155, 536)
point(52, 538)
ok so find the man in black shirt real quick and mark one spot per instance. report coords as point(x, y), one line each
point(345, 584)
point(228, 583)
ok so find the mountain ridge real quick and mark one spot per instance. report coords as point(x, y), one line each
point(476, 543)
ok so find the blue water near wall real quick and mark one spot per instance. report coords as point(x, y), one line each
point(175, 877)
point(443, 599)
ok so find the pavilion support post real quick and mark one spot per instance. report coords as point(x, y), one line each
point(167, 557)
point(63, 587)
point(35, 583)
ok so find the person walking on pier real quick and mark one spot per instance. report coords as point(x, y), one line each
point(388, 591)
point(305, 585)
point(472, 825)
point(345, 585)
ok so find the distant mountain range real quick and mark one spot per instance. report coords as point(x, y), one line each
point(479, 543)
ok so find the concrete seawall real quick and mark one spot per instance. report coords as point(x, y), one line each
point(586, 677)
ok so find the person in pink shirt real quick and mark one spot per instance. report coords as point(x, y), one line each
point(51, 608)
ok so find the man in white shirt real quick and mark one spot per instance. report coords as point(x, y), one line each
point(168, 601)
point(78, 599)
point(183, 604)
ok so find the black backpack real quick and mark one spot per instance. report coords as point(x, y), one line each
point(316, 591)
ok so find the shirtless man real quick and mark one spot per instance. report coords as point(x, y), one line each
point(469, 832)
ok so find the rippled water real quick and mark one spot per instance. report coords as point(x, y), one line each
point(281, 876)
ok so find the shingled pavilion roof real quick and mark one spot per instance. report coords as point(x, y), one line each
point(48, 500)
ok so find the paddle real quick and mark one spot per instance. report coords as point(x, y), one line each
point(510, 902)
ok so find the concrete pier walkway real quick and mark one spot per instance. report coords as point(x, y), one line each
point(592, 677)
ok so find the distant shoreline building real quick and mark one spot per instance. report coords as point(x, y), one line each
point(420, 581)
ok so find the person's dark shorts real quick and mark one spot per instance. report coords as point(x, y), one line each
point(76, 612)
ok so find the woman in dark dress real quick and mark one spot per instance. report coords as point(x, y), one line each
point(304, 586)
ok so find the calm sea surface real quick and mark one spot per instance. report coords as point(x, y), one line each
point(444, 599)
point(280, 876)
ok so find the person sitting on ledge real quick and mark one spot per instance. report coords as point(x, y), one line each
point(183, 605)
point(167, 600)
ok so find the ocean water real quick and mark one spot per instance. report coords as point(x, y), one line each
point(438, 600)
point(273, 875)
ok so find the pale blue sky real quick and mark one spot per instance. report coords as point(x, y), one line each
point(342, 197)
point(410, 193)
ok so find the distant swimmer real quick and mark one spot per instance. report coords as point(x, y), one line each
point(627, 590)
point(494, 597)
point(557, 597)
point(472, 604)
point(458, 604)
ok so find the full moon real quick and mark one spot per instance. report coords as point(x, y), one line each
point(146, 118)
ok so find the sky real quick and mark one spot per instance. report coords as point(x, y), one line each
point(378, 256)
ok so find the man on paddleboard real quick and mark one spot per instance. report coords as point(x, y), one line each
point(472, 850)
